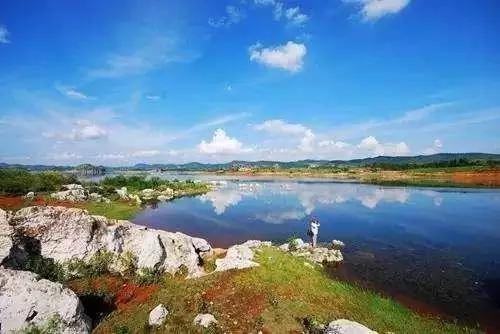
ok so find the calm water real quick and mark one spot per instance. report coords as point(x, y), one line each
point(437, 246)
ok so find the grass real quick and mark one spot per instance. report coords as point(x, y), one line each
point(277, 297)
point(113, 210)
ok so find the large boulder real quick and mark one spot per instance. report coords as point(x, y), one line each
point(72, 193)
point(240, 256)
point(26, 300)
point(343, 326)
point(158, 315)
point(6, 233)
point(64, 234)
point(204, 320)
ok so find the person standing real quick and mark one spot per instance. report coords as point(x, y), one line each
point(313, 231)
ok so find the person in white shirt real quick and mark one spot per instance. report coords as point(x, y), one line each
point(313, 231)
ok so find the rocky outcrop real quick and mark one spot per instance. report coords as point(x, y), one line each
point(72, 193)
point(6, 233)
point(64, 234)
point(204, 320)
point(240, 256)
point(343, 326)
point(158, 315)
point(27, 300)
point(317, 254)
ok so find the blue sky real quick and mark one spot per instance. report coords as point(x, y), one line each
point(121, 82)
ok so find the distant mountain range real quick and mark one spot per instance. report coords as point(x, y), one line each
point(197, 166)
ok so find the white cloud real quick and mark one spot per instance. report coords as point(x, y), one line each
point(278, 126)
point(372, 146)
point(82, 130)
point(4, 34)
point(158, 52)
point(289, 57)
point(145, 153)
point(153, 97)
point(233, 16)
point(294, 16)
point(221, 144)
point(436, 147)
point(372, 10)
point(72, 93)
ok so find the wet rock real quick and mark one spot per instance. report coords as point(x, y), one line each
point(6, 233)
point(158, 315)
point(27, 300)
point(343, 326)
point(204, 320)
point(337, 244)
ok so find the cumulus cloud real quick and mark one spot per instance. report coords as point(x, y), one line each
point(72, 93)
point(4, 35)
point(221, 143)
point(372, 146)
point(83, 130)
point(289, 57)
point(233, 15)
point(436, 147)
point(372, 10)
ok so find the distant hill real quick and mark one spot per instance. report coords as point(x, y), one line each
point(399, 160)
point(197, 166)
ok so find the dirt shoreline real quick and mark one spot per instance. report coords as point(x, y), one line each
point(489, 178)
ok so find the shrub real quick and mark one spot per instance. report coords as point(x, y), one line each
point(45, 267)
point(20, 181)
point(147, 276)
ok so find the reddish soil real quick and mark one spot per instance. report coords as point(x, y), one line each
point(489, 178)
point(131, 295)
point(241, 306)
point(125, 295)
point(18, 202)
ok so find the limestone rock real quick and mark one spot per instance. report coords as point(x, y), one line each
point(337, 244)
point(319, 254)
point(29, 196)
point(158, 315)
point(148, 194)
point(123, 193)
point(72, 193)
point(25, 299)
point(6, 232)
point(240, 256)
point(70, 233)
point(204, 320)
point(343, 326)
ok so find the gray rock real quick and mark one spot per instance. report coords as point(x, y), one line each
point(148, 194)
point(237, 257)
point(319, 254)
point(72, 193)
point(30, 195)
point(204, 320)
point(70, 233)
point(337, 244)
point(6, 232)
point(27, 300)
point(158, 315)
point(123, 193)
point(343, 326)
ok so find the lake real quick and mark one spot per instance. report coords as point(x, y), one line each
point(436, 250)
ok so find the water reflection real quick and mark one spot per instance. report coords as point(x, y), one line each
point(308, 195)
